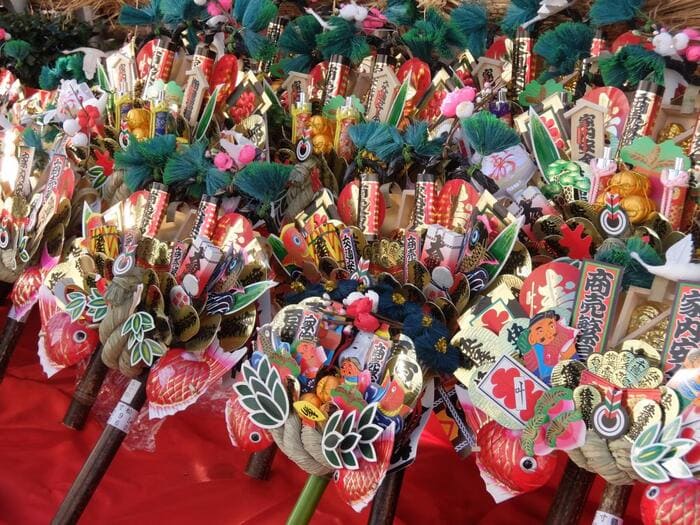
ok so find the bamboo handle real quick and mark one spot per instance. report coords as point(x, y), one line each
point(8, 343)
point(103, 453)
point(86, 392)
point(260, 463)
point(613, 503)
point(386, 499)
point(571, 496)
point(308, 500)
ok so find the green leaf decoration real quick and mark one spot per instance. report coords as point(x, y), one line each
point(207, 115)
point(333, 439)
point(333, 458)
point(368, 452)
point(679, 447)
point(399, 103)
point(367, 415)
point(262, 394)
point(348, 423)
point(651, 453)
point(334, 104)
point(349, 460)
point(103, 79)
point(66, 67)
point(96, 306)
point(677, 468)
point(146, 351)
point(349, 442)
point(646, 154)
point(535, 92)
point(250, 294)
point(96, 176)
point(76, 305)
point(542, 144)
point(334, 421)
point(652, 473)
point(138, 324)
point(670, 431)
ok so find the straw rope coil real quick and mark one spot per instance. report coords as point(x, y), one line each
point(301, 444)
point(114, 345)
point(609, 459)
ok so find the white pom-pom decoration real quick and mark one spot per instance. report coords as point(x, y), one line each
point(663, 44)
point(348, 12)
point(200, 2)
point(465, 109)
point(80, 140)
point(681, 41)
point(361, 13)
point(71, 127)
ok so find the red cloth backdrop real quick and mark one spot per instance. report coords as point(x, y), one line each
point(195, 476)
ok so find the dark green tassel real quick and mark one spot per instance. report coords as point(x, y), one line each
point(519, 12)
point(615, 251)
point(265, 182)
point(191, 171)
point(417, 142)
point(632, 64)
point(299, 40)
point(563, 46)
point(343, 39)
point(488, 134)
point(604, 12)
point(433, 35)
point(471, 20)
point(144, 160)
point(149, 14)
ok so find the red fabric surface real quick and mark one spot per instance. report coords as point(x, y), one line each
point(195, 476)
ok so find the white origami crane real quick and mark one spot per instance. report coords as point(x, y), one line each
point(678, 266)
point(90, 61)
point(547, 9)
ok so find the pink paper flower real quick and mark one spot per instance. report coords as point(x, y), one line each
point(223, 161)
point(217, 7)
point(4, 35)
point(246, 155)
point(375, 20)
point(455, 98)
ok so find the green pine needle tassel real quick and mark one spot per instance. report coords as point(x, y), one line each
point(343, 39)
point(66, 67)
point(264, 182)
point(433, 35)
point(176, 12)
point(143, 160)
point(632, 64)
point(378, 138)
point(149, 14)
point(418, 144)
point(254, 16)
point(191, 171)
point(604, 12)
point(519, 12)
point(401, 12)
point(471, 20)
point(563, 46)
point(615, 251)
point(488, 134)
point(299, 40)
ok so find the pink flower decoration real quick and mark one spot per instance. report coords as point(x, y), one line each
point(246, 155)
point(223, 161)
point(375, 20)
point(3, 34)
point(361, 310)
point(217, 7)
point(455, 98)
